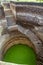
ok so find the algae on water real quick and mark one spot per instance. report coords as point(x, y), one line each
point(20, 54)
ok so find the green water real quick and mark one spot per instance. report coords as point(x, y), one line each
point(20, 54)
